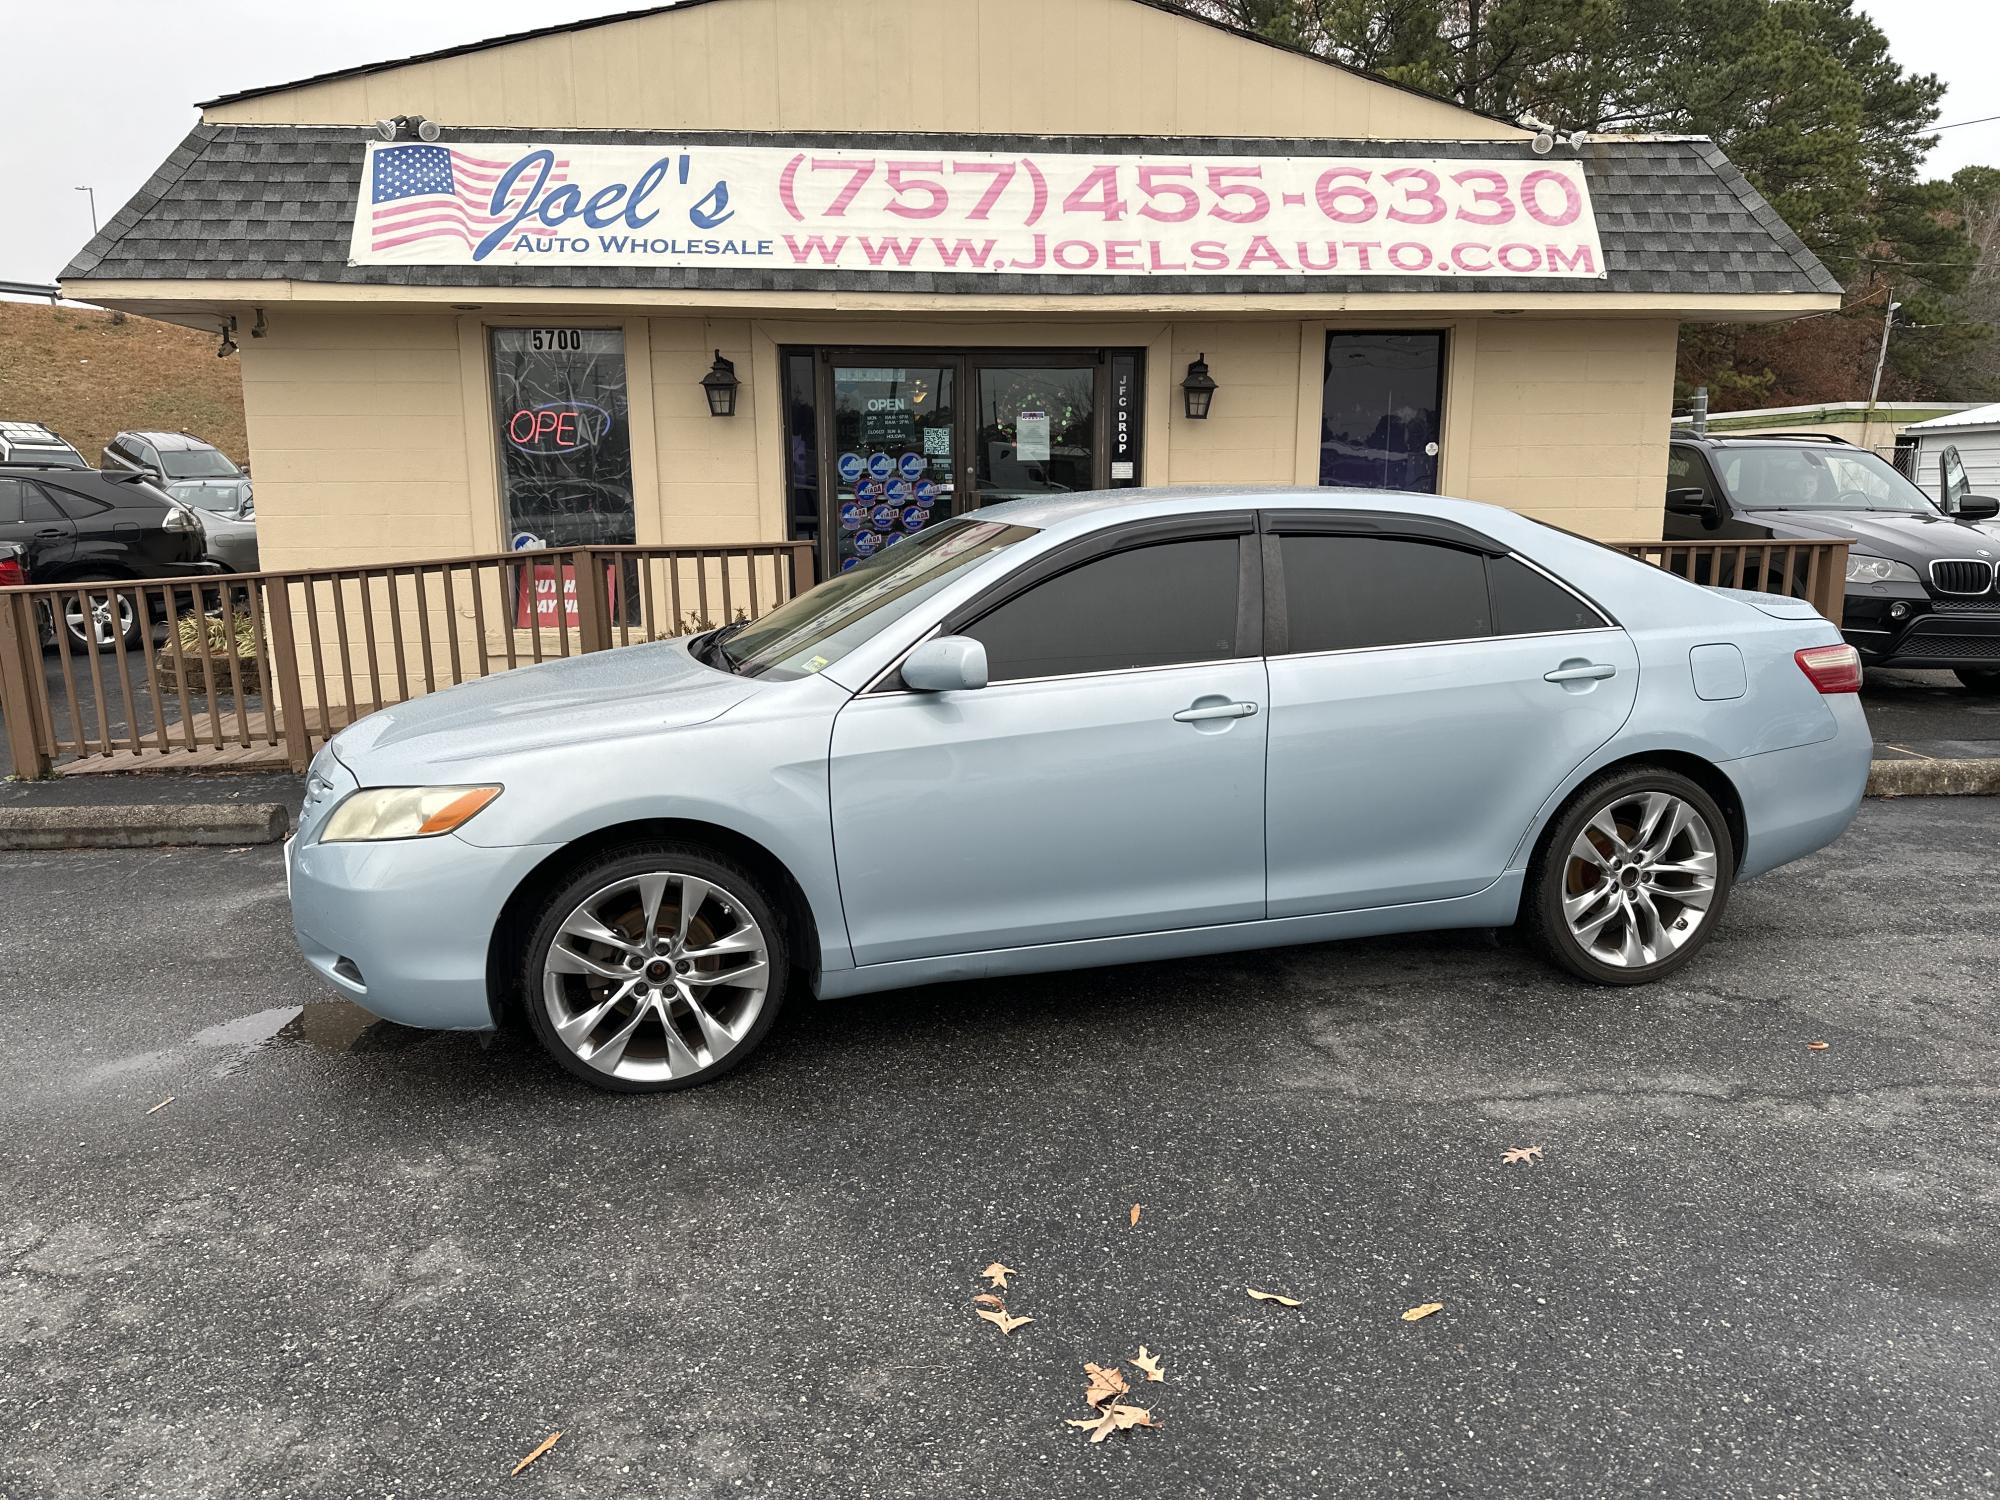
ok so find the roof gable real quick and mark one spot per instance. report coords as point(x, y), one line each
point(1074, 66)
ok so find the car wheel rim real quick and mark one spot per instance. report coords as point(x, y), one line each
point(1639, 880)
point(656, 977)
point(96, 627)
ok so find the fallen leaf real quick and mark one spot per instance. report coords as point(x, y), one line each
point(1423, 1310)
point(1002, 1319)
point(987, 1299)
point(1149, 1362)
point(546, 1444)
point(1273, 1297)
point(1135, 1211)
point(1106, 1381)
point(170, 1099)
point(997, 1274)
point(1114, 1419)
point(1816, 1046)
point(1519, 1155)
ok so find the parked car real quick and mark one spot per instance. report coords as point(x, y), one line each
point(1080, 730)
point(32, 443)
point(1921, 584)
point(81, 526)
point(203, 476)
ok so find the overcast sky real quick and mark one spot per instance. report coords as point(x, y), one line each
point(99, 91)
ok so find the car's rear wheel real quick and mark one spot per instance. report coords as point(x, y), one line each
point(96, 619)
point(655, 967)
point(1984, 681)
point(1631, 877)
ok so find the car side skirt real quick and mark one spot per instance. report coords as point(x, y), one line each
point(1494, 906)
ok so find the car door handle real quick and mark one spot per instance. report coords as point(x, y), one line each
point(1594, 671)
point(50, 531)
point(1215, 711)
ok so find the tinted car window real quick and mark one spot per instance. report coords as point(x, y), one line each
point(22, 500)
point(1526, 603)
point(1147, 607)
point(78, 507)
point(10, 502)
point(1344, 592)
point(1687, 471)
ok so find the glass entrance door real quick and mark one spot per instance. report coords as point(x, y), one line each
point(1035, 430)
point(1379, 410)
point(895, 453)
point(901, 439)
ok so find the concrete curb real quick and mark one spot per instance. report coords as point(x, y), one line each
point(143, 825)
point(1935, 778)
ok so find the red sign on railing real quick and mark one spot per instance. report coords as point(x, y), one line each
point(546, 595)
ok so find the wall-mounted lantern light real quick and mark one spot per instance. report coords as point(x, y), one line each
point(1198, 390)
point(720, 386)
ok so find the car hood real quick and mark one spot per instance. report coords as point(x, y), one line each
point(605, 696)
point(1906, 538)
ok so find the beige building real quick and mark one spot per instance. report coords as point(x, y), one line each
point(928, 253)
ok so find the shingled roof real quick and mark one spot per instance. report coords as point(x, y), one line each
point(276, 203)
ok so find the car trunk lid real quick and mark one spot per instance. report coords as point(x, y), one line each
point(1777, 606)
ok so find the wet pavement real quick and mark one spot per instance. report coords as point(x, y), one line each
point(1914, 714)
point(350, 1258)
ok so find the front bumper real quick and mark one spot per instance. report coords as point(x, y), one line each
point(402, 927)
point(1903, 625)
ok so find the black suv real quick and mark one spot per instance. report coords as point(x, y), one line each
point(1921, 584)
point(80, 526)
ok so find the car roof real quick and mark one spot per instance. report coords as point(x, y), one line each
point(1089, 509)
point(36, 434)
point(174, 442)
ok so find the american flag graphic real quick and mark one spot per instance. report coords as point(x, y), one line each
point(421, 193)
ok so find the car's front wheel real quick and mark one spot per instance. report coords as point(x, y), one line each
point(1984, 681)
point(1631, 877)
point(655, 967)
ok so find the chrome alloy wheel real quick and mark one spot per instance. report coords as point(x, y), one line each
point(108, 618)
point(656, 977)
point(1639, 879)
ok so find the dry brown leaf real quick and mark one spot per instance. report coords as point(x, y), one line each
point(1521, 1155)
point(1135, 1211)
point(546, 1444)
point(161, 1105)
point(1106, 1381)
point(1002, 1319)
point(1423, 1310)
point(1114, 1418)
point(1816, 1046)
point(1149, 1362)
point(987, 1299)
point(1273, 1297)
point(997, 1274)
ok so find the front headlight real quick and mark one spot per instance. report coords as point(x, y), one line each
point(1861, 568)
point(404, 812)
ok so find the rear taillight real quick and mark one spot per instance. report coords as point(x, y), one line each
point(1832, 669)
point(11, 572)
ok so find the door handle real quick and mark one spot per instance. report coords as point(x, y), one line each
point(1595, 671)
point(50, 531)
point(1215, 711)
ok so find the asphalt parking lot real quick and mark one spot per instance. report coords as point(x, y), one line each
point(350, 1259)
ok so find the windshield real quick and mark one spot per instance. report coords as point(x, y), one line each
point(825, 623)
point(197, 463)
point(1798, 478)
point(223, 499)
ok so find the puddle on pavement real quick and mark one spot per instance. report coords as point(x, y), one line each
point(334, 1026)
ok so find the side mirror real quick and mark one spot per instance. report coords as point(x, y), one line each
point(949, 664)
point(1977, 508)
point(1694, 501)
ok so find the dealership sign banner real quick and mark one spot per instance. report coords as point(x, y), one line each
point(777, 208)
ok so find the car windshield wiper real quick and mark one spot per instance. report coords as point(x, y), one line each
point(712, 647)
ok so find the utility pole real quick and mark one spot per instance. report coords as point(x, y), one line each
point(93, 206)
point(1882, 354)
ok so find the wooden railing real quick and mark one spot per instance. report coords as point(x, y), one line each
point(1813, 571)
point(261, 668)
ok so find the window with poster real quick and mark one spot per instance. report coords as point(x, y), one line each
point(565, 439)
point(882, 443)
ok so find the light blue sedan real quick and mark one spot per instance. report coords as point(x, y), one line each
point(1093, 729)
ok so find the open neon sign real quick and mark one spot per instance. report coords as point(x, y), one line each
point(558, 427)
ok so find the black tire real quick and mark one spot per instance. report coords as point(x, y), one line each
point(130, 614)
point(1551, 878)
point(734, 893)
point(1985, 681)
